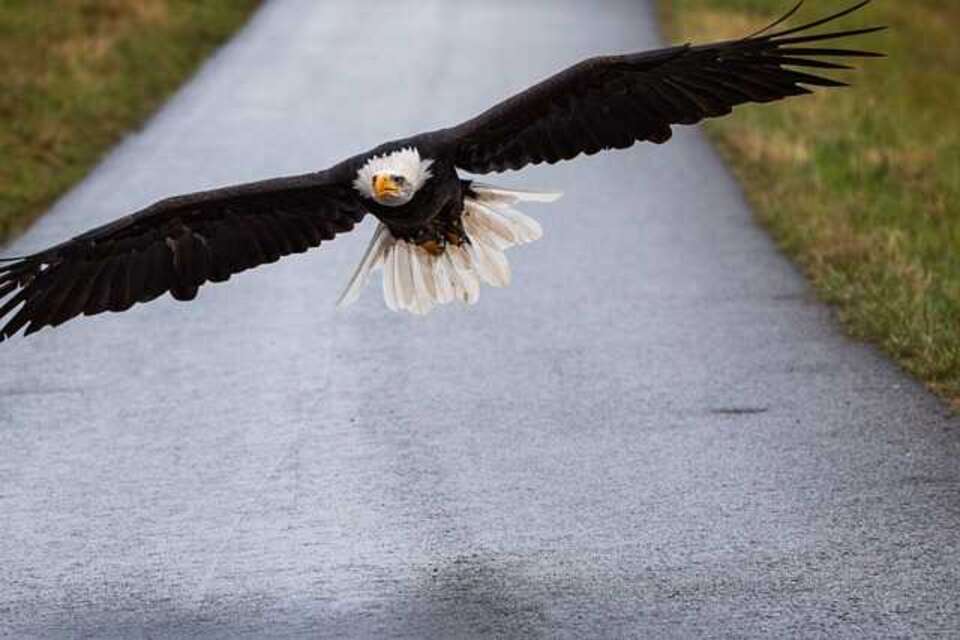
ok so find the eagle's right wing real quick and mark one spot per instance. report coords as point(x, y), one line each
point(615, 101)
point(176, 245)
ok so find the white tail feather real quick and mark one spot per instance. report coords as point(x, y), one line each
point(466, 284)
point(372, 259)
point(389, 282)
point(416, 281)
point(490, 193)
point(424, 293)
point(443, 280)
point(406, 295)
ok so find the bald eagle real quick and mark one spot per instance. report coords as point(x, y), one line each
point(440, 235)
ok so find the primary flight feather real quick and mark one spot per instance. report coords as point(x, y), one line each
point(439, 235)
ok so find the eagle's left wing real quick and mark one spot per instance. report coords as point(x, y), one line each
point(176, 245)
point(615, 101)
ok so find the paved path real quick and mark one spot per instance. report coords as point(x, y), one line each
point(655, 432)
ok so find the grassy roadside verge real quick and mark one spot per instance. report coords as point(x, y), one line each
point(861, 186)
point(77, 74)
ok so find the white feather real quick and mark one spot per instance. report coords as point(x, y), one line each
point(522, 228)
point(456, 282)
point(389, 286)
point(526, 228)
point(443, 280)
point(491, 193)
point(478, 221)
point(423, 273)
point(489, 263)
point(372, 259)
point(404, 276)
point(424, 292)
point(467, 280)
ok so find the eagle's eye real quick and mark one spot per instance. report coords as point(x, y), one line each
point(399, 180)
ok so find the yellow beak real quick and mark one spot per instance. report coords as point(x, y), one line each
point(383, 185)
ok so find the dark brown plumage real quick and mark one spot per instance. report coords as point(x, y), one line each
point(178, 244)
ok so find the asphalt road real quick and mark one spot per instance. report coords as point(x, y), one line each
point(654, 433)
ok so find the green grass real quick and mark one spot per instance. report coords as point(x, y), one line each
point(77, 74)
point(861, 186)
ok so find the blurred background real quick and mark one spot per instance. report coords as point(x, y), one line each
point(78, 74)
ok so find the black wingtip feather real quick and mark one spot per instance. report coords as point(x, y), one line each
point(32, 328)
point(817, 23)
point(814, 80)
point(17, 280)
point(778, 22)
point(809, 62)
point(849, 53)
point(19, 320)
point(828, 36)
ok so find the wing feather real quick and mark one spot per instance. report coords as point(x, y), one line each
point(175, 245)
point(616, 101)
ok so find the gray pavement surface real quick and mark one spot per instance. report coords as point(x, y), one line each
point(655, 432)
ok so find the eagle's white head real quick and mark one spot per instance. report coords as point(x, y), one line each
point(393, 179)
